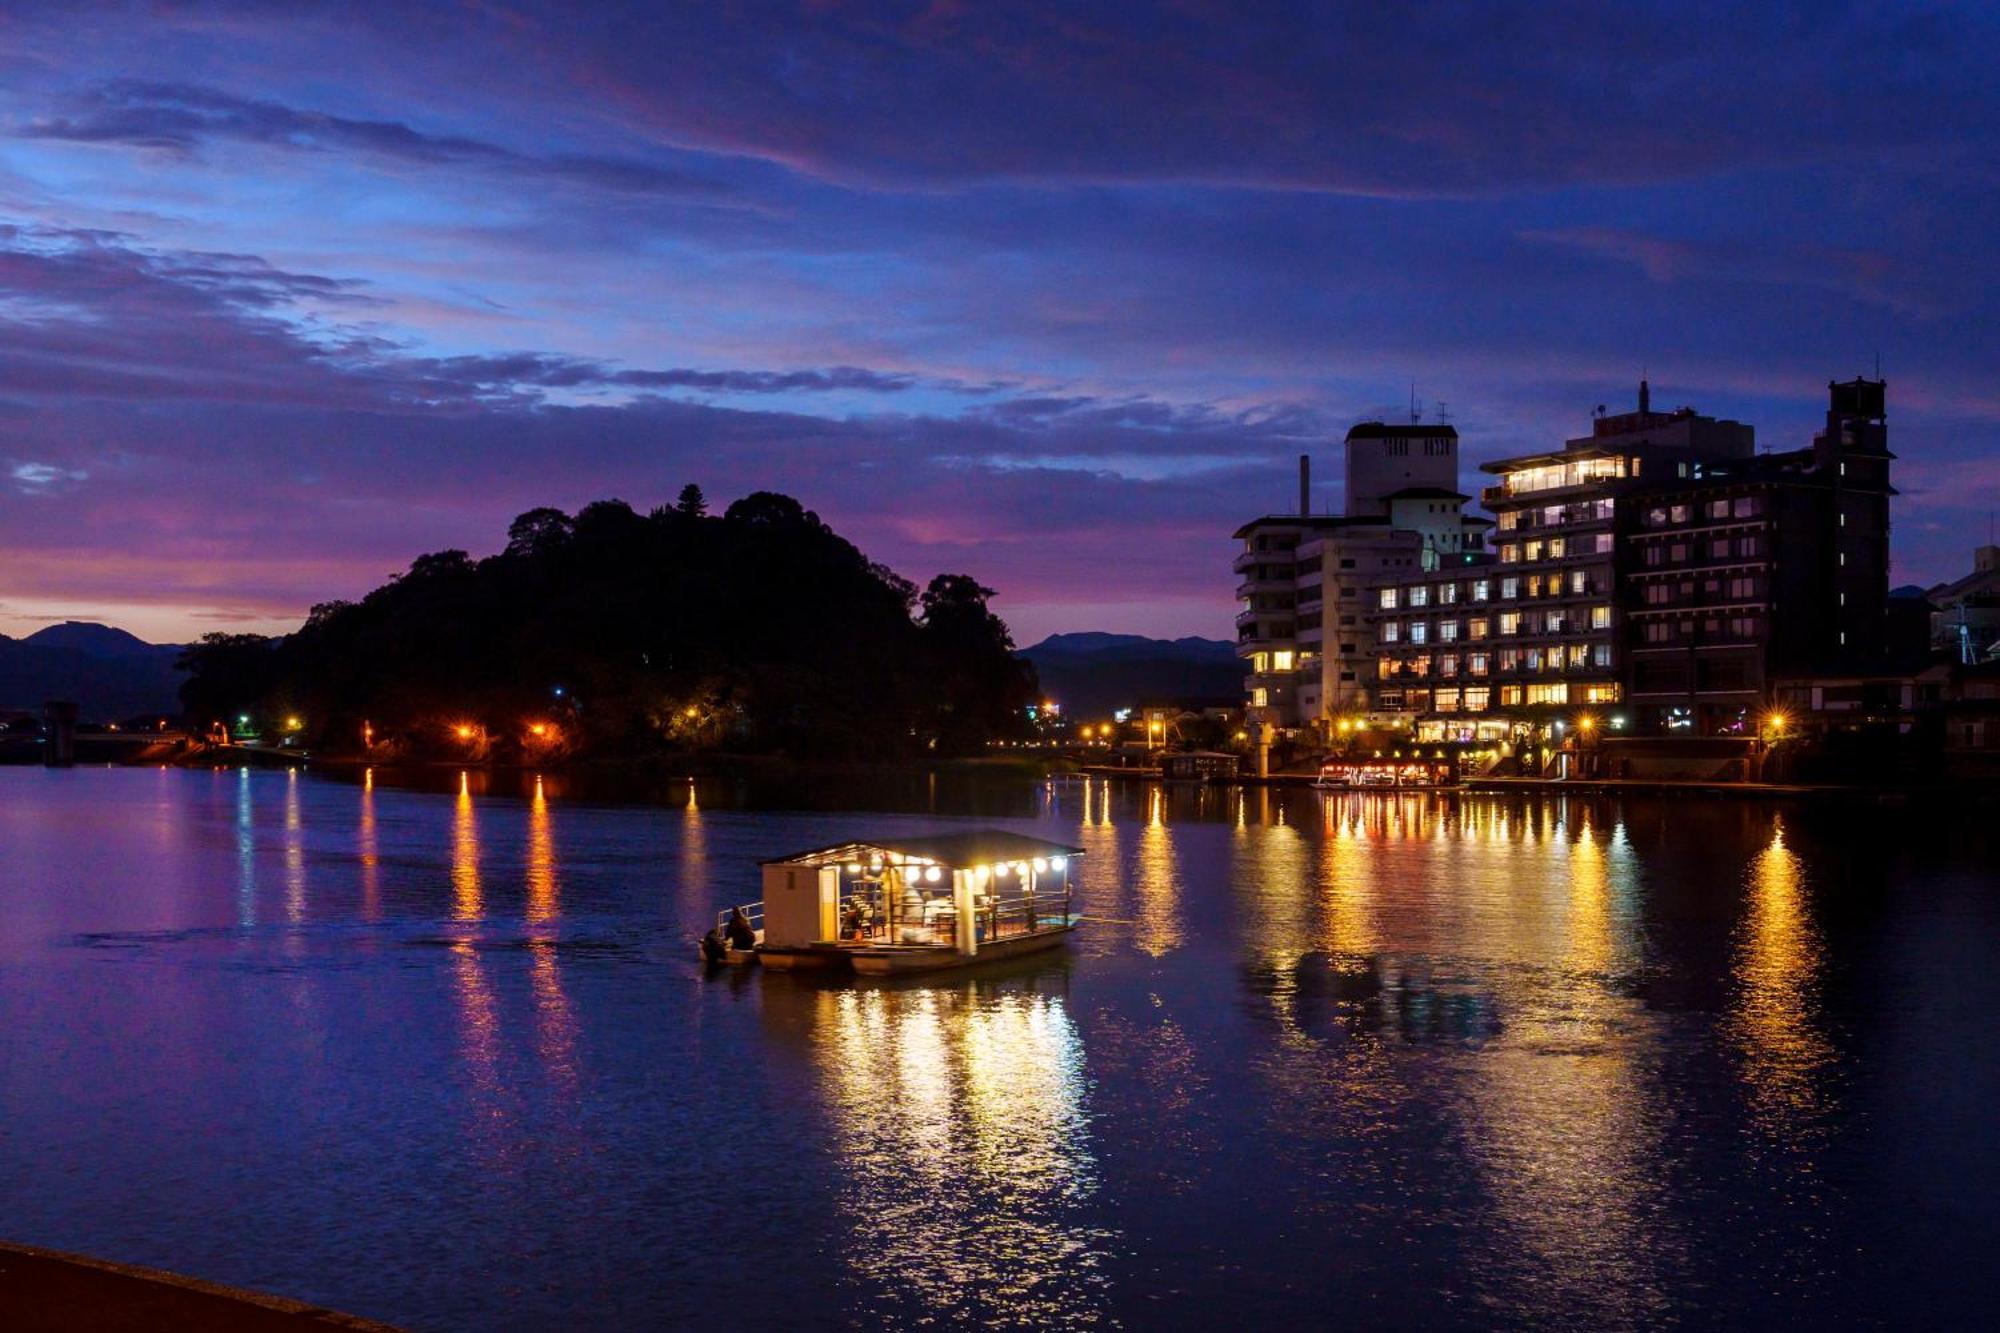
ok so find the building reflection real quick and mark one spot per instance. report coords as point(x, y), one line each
point(1774, 1018)
point(1157, 882)
point(1566, 1115)
point(1464, 970)
point(958, 1123)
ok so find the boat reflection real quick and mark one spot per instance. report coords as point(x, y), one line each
point(958, 1123)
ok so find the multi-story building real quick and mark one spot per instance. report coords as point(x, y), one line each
point(1307, 578)
point(1657, 564)
point(1754, 569)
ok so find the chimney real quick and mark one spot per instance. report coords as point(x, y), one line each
point(1645, 398)
point(1305, 485)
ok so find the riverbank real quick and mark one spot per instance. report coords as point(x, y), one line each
point(48, 1290)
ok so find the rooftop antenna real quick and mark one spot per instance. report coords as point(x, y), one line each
point(1443, 412)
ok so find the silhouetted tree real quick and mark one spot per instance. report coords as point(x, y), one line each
point(538, 531)
point(982, 689)
point(692, 503)
point(608, 626)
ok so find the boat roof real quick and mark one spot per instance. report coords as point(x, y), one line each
point(974, 847)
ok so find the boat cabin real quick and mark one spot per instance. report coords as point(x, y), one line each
point(915, 903)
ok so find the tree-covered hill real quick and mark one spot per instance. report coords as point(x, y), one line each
point(615, 632)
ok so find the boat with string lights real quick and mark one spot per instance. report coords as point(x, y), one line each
point(902, 904)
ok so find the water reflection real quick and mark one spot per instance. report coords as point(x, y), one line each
point(465, 893)
point(694, 877)
point(555, 1023)
point(479, 1021)
point(958, 1122)
point(1567, 1114)
point(369, 844)
point(1156, 882)
point(246, 852)
point(295, 852)
point(1774, 1014)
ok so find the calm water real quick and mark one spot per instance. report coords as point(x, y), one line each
point(447, 1059)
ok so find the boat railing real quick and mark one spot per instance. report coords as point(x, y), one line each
point(1023, 912)
point(755, 911)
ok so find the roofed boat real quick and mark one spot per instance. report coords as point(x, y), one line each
point(923, 903)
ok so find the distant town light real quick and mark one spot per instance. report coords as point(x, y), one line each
point(463, 731)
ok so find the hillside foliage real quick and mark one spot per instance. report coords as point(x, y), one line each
point(611, 631)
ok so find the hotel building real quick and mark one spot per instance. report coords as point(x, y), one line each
point(1658, 565)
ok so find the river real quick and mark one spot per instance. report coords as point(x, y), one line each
point(445, 1057)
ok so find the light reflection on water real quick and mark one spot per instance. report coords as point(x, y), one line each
point(1393, 1058)
point(1774, 1015)
point(963, 1152)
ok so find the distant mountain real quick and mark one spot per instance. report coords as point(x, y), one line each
point(111, 673)
point(95, 640)
point(1091, 674)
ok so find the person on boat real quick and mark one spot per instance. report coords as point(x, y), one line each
point(713, 950)
point(741, 936)
point(856, 920)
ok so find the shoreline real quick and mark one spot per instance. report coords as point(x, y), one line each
point(52, 1289)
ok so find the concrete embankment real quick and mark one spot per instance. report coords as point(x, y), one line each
point(43, 1291)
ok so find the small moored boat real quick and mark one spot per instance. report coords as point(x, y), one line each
point(894, 905)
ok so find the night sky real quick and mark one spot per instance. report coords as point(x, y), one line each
point(290, 294)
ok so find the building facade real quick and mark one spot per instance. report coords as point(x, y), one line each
point(1658, 567)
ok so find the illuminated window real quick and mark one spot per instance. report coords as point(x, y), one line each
point(1447, 631)
point(1388, 599)
point(1445, 701)
point(1510, 696)
point(1481, 589)
point(1281, 660)
point(1260, 697)
point(1600, 617)
point(1260, 662)
point(1420, 631)
point(1476, 627)
point(1600, 694)
point(1420, 596)
point(1448, 665)
point(1476, 697)
point(1392, 631)
point(1510, 553)
point(1557, 693)
point(1510, 588)
point(1475, 664)
point(1510, 622)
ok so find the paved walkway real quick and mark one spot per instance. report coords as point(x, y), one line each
point(43, 1291)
